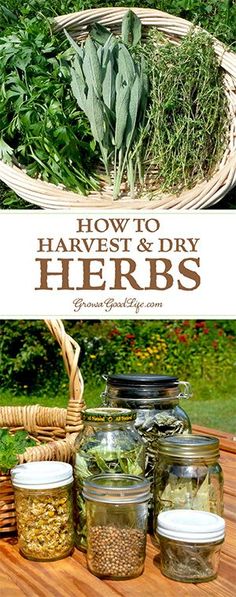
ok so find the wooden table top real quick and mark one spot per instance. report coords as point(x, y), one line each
point(70, 577)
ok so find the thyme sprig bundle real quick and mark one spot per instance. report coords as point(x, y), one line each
point(186, 129)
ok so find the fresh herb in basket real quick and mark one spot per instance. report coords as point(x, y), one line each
point(186, 131)
point(40, 125)
point(111, 87)
point(11, 445)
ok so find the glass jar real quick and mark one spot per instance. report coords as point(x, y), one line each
point(155, 400)
point(117, 507)
point(188, 474)
point(190, 544)
point(107, 444)
point(44, 509)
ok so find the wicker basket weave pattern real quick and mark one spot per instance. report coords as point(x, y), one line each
point(204, 194)
point(54, 429)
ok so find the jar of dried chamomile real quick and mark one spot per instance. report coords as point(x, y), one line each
point(44, 509)
point(190, 544)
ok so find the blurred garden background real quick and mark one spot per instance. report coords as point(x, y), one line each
point(217, 16)
point(201, 352)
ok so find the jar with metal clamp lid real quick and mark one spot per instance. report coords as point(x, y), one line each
point(155, 400)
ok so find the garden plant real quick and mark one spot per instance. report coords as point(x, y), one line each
point(47, 155)
point(201, 352)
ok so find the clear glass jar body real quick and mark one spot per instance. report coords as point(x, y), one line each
point(104, 448)
point(45, 522)
point(189, 562)
point(195, 484)
point(158, 415)
point(116, 539)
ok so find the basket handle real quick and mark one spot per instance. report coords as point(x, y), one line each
point(70, 354)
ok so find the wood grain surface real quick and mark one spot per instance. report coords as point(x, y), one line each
point(70, 577)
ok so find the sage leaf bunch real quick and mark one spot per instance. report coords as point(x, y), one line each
point(111, 87)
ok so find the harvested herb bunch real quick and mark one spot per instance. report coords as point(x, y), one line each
point(111, 87)
point(186, 131)
point(41, 128)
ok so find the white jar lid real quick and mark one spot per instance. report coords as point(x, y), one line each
point(42, 475)
point(191, 526)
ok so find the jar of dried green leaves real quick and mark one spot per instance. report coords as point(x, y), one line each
point(155, 400)
point(117, 507)
point(188, 474)
point(108, 444)
point(190, 544)
point(44, 509)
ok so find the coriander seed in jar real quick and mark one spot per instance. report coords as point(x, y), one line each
point(44, 509)
point(117, 508)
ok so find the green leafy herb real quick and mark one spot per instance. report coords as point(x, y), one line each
point(110, 87)
point(40, 125)
point(11, 445)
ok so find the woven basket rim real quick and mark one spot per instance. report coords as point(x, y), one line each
point(203, 194)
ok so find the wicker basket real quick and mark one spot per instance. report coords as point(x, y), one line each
point(204, 194)
point(55, 427)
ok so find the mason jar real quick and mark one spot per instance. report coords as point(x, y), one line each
point(188, 474)
point(155, 400)
point(117, 524)
point(190, 544)
point(107, 444)
point(44, 509)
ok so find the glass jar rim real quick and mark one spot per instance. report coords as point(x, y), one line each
point(116, 488)
point(189, 446)
point(106, 414)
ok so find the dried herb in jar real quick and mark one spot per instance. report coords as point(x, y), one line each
point(45, 523)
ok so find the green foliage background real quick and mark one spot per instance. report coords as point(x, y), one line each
point(30, 360)
point(217, 16)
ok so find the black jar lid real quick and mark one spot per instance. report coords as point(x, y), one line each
point(137, 379)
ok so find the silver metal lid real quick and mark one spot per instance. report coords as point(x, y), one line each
point(189, 446)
